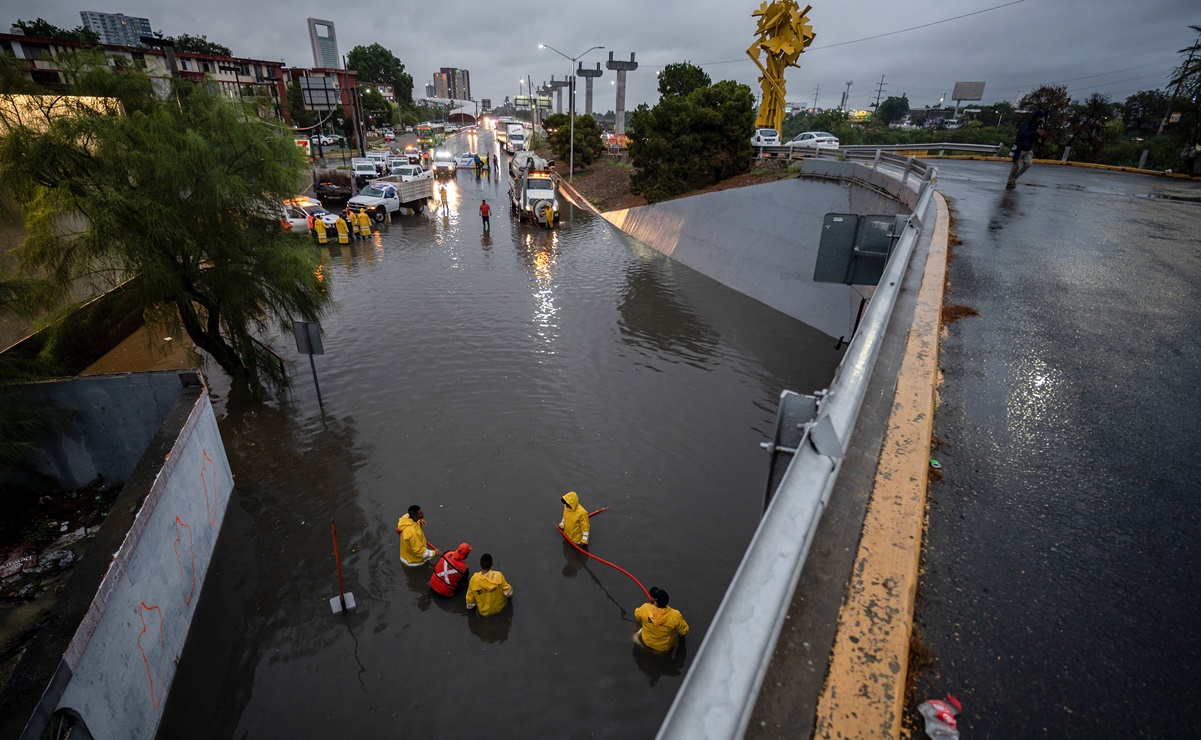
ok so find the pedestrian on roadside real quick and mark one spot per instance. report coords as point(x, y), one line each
point(1023, 149)
point(485, 212)
point(660, 623)
point(414, 550)
point(488, 590)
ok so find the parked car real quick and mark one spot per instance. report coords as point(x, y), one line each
point(444, 164)
point(466, 159)
point(323, 140)
point(766, 137)
point(408, 129)
point(815, 140)
point(364, 171)
point(380, 159)
point(410, 172)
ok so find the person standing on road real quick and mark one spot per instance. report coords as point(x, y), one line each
point(660, 623)
point(488, 590)
point(485, 212)
point(414, 550)
point(442, 192)
point(1023, 149)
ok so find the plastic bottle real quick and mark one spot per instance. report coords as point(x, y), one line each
point(940, 718)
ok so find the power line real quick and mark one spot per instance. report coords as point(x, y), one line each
point(867, 38)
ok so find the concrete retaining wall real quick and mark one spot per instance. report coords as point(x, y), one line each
point(762, 240)
point(101, 425)
point(108, 656)
point(123, 657)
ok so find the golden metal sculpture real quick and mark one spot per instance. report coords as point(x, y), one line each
point(784, 32)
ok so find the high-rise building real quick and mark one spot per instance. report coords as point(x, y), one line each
point(441, 86)
point(116, 29)
point(458, 83)
point(325, 44)
point(430, 92)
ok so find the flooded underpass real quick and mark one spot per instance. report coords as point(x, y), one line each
point(482, 377)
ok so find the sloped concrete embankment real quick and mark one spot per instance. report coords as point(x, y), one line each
point(762, 240)
point(107, 655)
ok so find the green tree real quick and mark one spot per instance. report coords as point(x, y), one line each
point(1088, 122)
point(1141, 111)
point(996, 113)
point(300, 116)
point(1055, 101)
point(376, 108)
point(46, 30)
point(201, 45)
point(555, 121)
point(892, 109)
point(183, 194)
point(691, 140)
point(375, 63)
point(588, 142)
point(682, 78)
point(1187, 80)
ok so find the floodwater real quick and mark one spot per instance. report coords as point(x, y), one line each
point(483, 377)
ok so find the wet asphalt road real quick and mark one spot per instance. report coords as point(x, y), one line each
point(1061, 592)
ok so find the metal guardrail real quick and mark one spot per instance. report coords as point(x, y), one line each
point(718, 695)
point(858, 149)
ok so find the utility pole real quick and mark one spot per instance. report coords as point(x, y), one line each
point(879, 91)
point(846, 97)
point(1168, 113)
point(816, 95)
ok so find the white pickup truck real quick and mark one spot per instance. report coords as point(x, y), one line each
point(387, 195)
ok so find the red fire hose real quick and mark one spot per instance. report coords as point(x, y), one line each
point(602, 560)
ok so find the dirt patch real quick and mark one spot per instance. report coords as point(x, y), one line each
point(606, 184)
point(951, 314)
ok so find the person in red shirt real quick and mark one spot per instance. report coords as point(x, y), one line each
point(450, 570)
point(485, 211)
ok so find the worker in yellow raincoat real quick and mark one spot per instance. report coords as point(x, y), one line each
point(343, 231)
point(575, 522)
point(364, 223)
point(414, 550)
point(488, 590)
point(319, 227)
point(660, 623)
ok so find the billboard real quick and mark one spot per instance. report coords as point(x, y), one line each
point(320, 93)
point(968, 91)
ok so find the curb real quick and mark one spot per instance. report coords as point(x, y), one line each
point(578, 200)
point(1061, 163)
point(864, 693)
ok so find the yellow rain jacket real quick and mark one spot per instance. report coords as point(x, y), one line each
point(487, 591)
point(364, 223)
point(412, 540)
point(575, 522)
point(660, 626)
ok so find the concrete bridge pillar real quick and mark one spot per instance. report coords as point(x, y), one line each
point(589, 75)
point(619, 126)
point(557, 86)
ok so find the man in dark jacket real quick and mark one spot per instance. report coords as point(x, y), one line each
point(1023, 149)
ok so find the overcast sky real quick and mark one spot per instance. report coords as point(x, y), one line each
point(1109, 46)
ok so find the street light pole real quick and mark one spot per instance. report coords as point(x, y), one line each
point(571, 102)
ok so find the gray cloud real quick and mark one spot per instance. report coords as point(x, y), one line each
point(1104, 45)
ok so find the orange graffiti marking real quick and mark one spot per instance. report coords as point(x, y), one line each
point(162, 643)
point(209, 508)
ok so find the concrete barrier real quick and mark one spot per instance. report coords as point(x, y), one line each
point(762, 240)
point(108, 656)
